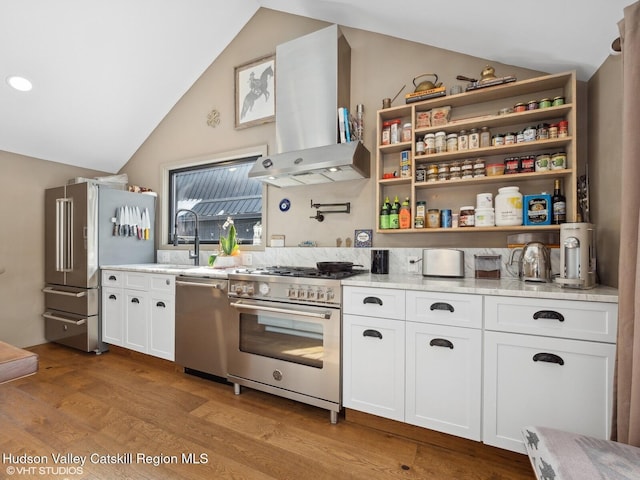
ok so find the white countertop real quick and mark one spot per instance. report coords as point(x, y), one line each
point(170, 269)
point(508, 287)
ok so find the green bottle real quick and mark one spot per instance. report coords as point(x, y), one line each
point(384, 217)
point(394, 218)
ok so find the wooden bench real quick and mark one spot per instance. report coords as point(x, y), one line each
point(560, 455)
point(16, 362)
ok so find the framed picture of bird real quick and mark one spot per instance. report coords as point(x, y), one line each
point(255, 92)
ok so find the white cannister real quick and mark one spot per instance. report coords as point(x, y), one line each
point(485, 217)
point(508, 210)
point(484, 200)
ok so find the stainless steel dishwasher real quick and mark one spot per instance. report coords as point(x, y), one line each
point(203, 316)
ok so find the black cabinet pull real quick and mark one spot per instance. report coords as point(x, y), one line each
point(112, 277)
point(441, 306)
point(160, 304)
point(372, 333)
point(549, 315)
point(441, 342)
point(548, 357)
point(135, 300)
point(372, 300)
point(112, 297)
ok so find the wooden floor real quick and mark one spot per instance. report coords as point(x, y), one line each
point(102, 406)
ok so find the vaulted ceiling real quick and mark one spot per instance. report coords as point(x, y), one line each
point(106, 72)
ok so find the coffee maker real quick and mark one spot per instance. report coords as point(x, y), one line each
point(577, 255)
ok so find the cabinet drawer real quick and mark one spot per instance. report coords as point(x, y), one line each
point(555, 318)
point(112, 278)
point(457, 310)
point(163, 283)
point(137, 281)
point(374, 302)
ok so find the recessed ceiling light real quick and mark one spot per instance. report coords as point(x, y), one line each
point(19, 83)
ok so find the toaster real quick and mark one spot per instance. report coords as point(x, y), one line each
point(442, 262)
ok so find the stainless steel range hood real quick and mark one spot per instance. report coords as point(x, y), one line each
point(312, 80)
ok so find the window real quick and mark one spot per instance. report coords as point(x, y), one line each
point(214, 191)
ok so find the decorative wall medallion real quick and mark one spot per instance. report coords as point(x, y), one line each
point(213, 119)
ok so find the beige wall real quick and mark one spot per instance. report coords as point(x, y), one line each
point(605, 157)
point(381, 65)
point(22, 186)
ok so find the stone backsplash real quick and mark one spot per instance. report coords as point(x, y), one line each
point(398, 258)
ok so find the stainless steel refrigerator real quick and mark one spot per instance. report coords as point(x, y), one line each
point(88, 225)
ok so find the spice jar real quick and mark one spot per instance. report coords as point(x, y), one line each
point(544, 103)
point(455, 170)
point(443, 171)
point(509, 138)
point(386, 133)
point(563, 129)
point(553, 130)
point(430, 143)
point(497, 140)
point(530, 133)
point(519, 107)
point(440, 142)
point(467, 169)
point(485, 137)
point(479, 168)
point(433, 218)
point(406, 132)
point(532, 105)
point(557, 101)
point(463, 140)
point(395, 131)
point(452, 142)
point(419, 147)
point(543, 131)
point(474, 139)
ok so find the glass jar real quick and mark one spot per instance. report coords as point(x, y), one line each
point(443, 171)
point(463, 140)
point(497, 140)
point(485, 137)
point(508, 207)
point(441, 142)
point(455, 170)
point(452, 142)
point(479, 168)
point(386, 133)
point(542, 132)
point(430, 143)
point(395, 130)
point(466, 169)
point(406, 132)
point(509, 138)
point(433, 218)
point(474, 139)
point(467, 216)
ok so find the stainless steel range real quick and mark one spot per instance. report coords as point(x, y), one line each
point(287, 336)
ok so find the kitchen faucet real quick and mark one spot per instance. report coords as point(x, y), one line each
point(195, 255)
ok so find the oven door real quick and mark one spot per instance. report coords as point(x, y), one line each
point(287, 346)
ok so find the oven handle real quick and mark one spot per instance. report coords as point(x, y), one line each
point(198, 284)
point(290, 311)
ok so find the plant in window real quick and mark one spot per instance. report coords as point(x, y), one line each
point(229, 244)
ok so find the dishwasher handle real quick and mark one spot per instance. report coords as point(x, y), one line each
point(182, 283)
point(50, 316)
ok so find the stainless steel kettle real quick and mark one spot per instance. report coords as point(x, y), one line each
point(534, 263)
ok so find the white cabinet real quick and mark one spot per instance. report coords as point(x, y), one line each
point(405, 361)
point(547, 363)
point(373, 374)
point(444, 362)
point(138, 311)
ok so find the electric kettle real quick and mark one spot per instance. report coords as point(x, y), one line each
point(534, 263)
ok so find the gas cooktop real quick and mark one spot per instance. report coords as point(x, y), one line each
point(301, 272)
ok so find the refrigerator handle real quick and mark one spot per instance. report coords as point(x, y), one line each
point(50, 316)
point(64, 234)
point(64, 292)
